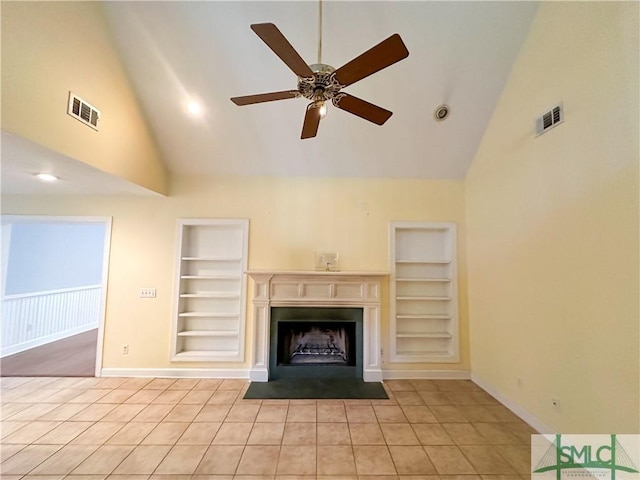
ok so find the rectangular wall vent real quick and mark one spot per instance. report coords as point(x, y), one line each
point(549, 119)
point(83, 111)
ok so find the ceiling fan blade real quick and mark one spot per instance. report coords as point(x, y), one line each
point(276, 41)
point(311, 121)
point(265, 97)
point(381, 56)
point(362, 109)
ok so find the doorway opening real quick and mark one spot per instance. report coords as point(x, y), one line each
point(54, 282)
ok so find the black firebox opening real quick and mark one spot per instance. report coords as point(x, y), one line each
point(316, 343)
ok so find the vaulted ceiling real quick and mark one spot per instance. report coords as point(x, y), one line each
point(460, 54)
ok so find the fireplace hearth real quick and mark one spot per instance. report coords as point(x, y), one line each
point(315, 342)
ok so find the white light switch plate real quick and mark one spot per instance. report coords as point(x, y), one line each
point(147, 293)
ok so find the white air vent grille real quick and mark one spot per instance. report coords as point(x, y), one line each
point(549, 119)
point(83, 111)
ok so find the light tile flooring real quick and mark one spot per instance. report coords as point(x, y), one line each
point(190, 429)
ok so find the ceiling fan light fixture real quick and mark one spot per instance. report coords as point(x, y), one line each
point(323, 109)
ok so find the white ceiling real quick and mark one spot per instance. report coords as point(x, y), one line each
point(460, 53)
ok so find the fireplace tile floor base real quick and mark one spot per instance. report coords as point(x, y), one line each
point(316, 388)
point(190, 429)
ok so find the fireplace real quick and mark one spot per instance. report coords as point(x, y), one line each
point(316, 308)
point(315, 342)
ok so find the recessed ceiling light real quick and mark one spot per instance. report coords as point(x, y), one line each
point(194, 108)
point(47, 177)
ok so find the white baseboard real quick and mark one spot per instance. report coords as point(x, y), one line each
point(259, 375)
point(372, 375)
point(528, 417)
point(425, 374)
point(38, 342)
point(176, 372)
point(246, 373)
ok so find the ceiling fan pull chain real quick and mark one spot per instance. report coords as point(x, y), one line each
point(320, 31)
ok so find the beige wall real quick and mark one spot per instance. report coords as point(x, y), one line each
point(290, 219)
point(552, 225)
point(51, 48)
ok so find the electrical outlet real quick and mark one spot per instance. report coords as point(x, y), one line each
point(147, 293)
point(125, 349)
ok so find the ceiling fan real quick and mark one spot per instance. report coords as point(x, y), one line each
point(320, 82)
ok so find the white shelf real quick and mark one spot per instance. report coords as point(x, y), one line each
point(211, 295)
point(438, 354)
point(218, 276)
point(210, 291)
point(423, 280)
point(207, 333)
point(426, 262)
point(436, 299)
point(206, 355)
point(424, 335)
point(423, 289)
point(212, 259)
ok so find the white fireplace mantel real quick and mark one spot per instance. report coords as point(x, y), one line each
point(280, 288)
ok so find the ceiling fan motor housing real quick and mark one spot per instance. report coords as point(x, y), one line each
point(322, 86)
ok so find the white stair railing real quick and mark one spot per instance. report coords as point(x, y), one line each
point(33, 319)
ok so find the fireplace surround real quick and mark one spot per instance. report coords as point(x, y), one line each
point(336, 290)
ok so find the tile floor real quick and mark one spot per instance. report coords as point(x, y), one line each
point(190, 429)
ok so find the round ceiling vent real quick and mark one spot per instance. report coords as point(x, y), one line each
point(441, 112)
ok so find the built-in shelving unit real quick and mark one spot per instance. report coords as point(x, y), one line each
point(424, 313)
point(210, 293)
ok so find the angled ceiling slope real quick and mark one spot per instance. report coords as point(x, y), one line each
point(22, 159)
point(460, 54)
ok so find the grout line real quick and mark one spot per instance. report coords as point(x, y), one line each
point(24, 389)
